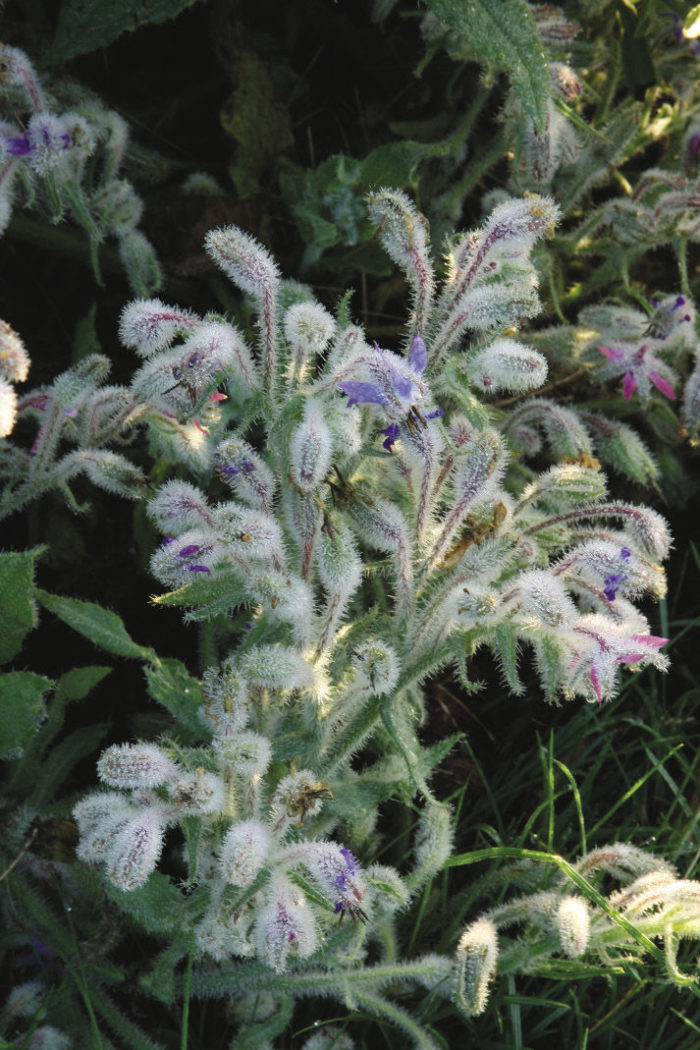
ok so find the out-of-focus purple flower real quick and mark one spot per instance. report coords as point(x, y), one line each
point(611, 584)
point(640, 367)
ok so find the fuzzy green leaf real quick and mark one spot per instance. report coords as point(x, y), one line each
point(22, 709)
point(170, 684)
point(503, 32)
point(85, 25)
point(102, 627)
point(17, 610)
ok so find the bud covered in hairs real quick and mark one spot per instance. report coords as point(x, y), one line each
point(241, 467)
point(99, 816)
point(249, 533)
point(573, 924)
point(148, 325)
point(109, 471)
point(545, 600)
point(178, 506)
point(434, 839)
point(307, 328)
point(14, 359)
point(246, 754)
point(507, 365)
point(135, 850)
point(244, 852)
point(377, 667)
point(216, 350)
point(140, 262)
point(194, 553)
point(276, 667)
point(226, 703)
point(284, 925)
point(198, 793)
point(132, 766)
point(243, 259)
point(310, 449)
point(8, 407)
point(476, 959)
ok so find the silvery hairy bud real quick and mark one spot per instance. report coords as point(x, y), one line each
point(149, 326)
point(573, 923)
point(226, 704)
point(244, 852)
point(241, 467)
point(404, 232)
point(133, 766)
point(476, 959)
point(134, 851)
point(140, 262)
point(340, 571)
point(506, 365)
point(284, 926)
point(377, 667)
point(254, 271)
point(310, 449)
point(8, 408)
point(179, 506)
point(308, 328)
point(198, 793)
point(14, 359)
point(434, 839)
point(276, 667)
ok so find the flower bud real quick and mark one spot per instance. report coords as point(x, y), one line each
point(198, 793)
point(276, 667)
point(14, 359)
point(217, 351)
point(403, 232)
point(193, 553)
point(337, 874)
point(108, 470)
point(135, 850)
point(241, 467)
point(179, 506)
point(148, 325)
point(307, 328)
point(132, 766)
point(284, 925)
point(434, 839)
point(246, 754)
point(477, 955)
point(573, 923)
point(140, 262)
point(48, 1038)
point(310, 449)
point(545, 600)
point(8, 407)
point(567, 483)
point(244, 852)
point(377, 667)
point(242, 259)
point(226, 701)
point(118, 207)
point(249, 533)
point(298, 795)
point(506, 365)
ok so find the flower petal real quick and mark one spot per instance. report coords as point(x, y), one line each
point(663, 385)
point(366, 393)
point(419, 355)
point(629, 385)
point(610, 352)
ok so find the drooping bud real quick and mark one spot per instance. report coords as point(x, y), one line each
point(148, 325)
point(506, 365)
point(254, 270)
point(573, 924)
point(434, 839)
point(180, 561)
point(246, 754)
point(244, 852)
point(132, 766)
point(307, 329)
point(565, 484)
point(198, 793)
point(545, 600)
point(99, 818)
point(284, 925)
point(218, 351)
point(562, 427)
point(109, 470)
point(310, 449)
point(249, 533)
point(140, 262)
point(377, 667)
point(135, 850)
point(14, 359)
point(403, 232)
point(337, 874)
point(298, 795)
point(226, 701)
point(476, 959)
point(179, 506)
point(241, 467)
point(8, 407)
point(276, 667)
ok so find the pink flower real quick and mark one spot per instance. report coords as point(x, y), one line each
point(640, 367)
point(601, 647)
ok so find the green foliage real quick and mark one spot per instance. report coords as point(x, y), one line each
point(23, 709)
point(101, 626)
point(502, 32)
point(85, 25)
point(18, 613)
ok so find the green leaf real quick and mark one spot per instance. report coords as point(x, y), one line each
point(62, 760)
point(208, 597)
point(170, 684)
point(691, 25)
point(102, 627)
point(85, 25)
point(22, 709)
point(503, 32)
point(17, 609)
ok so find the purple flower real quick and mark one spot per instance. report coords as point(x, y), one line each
point(188, 551)
point(640, 367)
point(612, 583)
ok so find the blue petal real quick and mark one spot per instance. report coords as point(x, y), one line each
point(419, 355)
point(367, 393)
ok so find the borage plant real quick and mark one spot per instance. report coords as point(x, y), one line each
point(378, 527)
